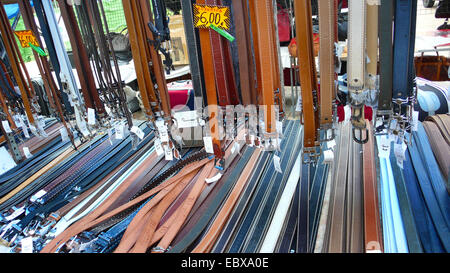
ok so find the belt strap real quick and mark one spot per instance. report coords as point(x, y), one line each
point(356, 66)
point(307, 71)
point(327, 21)
point(386, 16)
point(372, 225)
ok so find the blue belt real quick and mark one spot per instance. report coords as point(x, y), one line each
point(427, 232)
point(427, 186)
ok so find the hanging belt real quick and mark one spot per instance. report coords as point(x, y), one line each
point(68, 82)
point(403, 63)
point(327, 56)
point(441, 149)
point(243, 41)
point(308, 81)
point(263, 21)
point(193, 47)
point(356, 66)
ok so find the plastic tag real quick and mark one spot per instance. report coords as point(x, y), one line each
point(138, 132)
point(384, 147)
point(328, 156)
point(186, 119)
point(298, 107)
point(27, 153)
point(15, 214)
point(110, 136)
point(236, 147)
point(213, 179)
point(25, 130)
point(331, 144)
point(64, 134)
point(83, 129)
point(252, 140)
point(399, 151)
point(347, 113)
point(208, 145)
point(415, 121)
point(168, 153)
point(119, 131)
point(27, 244)
point(279, 127)
point(5, 124)
point(158, 147)
point(276, 163)
point(37, 195)
point(91, 116)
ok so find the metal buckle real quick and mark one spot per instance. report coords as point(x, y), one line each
point(356, 128)
point(311, 155)
point(326, 128)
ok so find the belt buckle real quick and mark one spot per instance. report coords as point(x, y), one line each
point(310, 155)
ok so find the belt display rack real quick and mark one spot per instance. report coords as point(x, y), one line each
point(239, 171)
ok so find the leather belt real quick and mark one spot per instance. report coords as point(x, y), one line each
point(386, 15)
point(372, 226)
point(193, 47)
point(308, 79)
point(243, 41)
point(327, 21)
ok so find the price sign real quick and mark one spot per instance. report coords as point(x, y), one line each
point(26, 37)
point(205, 15)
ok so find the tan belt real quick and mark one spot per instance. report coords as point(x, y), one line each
point(327, 21)
point(308, 80)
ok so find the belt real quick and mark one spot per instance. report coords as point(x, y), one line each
point(356, 66)
point(441, 149)
point(429, 237)
point(412, 237)
point(386, 15)
point(327, 22)
point(393, 228)
point(403, 62)
point(68, 82)
point(263, 35)
point(307, 70)
point(192, 42)
point(243, 41)
point(228, 234)
point(372, 225)
point(81, 59)
point(428, 192)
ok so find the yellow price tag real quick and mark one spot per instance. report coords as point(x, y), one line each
point(205, 15)
point(26, 37)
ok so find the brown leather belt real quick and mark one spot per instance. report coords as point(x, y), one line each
point(103, 212)
point(372, 225)
point(441, 149)
point(210, 86)
point(308, 80)
point(327, 22)
point(262, 21)
point(243, 41)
